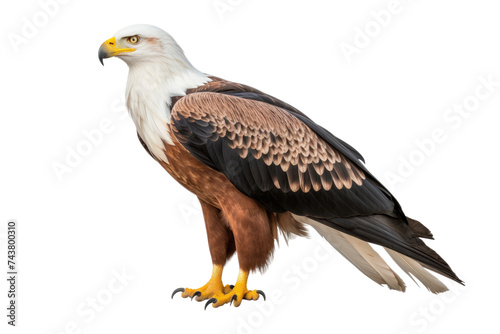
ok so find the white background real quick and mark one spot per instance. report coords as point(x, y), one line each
point(118, 210)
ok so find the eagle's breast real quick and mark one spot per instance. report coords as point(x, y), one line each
point(150, 88)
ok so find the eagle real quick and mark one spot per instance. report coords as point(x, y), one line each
point(261, 168)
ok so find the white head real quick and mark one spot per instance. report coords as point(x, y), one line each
point(142, 44)
point(158, 70)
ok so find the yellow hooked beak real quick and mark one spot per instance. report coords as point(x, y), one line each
point(109, 49)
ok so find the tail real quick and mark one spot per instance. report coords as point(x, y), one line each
point(350, 238)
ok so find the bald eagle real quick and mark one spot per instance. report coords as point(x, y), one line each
point(258, 167)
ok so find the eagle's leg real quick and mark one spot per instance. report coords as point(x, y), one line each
point(221, 244)
point(254, 242)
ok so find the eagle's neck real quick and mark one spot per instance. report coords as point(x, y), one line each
point(150, 87)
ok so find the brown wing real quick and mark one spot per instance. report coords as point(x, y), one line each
point(276, 155)
point(272, 156)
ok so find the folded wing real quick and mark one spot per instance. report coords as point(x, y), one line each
point(276, 155)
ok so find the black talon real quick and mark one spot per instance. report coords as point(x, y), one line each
point(177, 290)
point(233, 298)
point(197, 293)
point(210, 301)
point(260, 292)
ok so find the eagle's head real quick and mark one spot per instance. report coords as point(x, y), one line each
point(155, 60)
point(142, 43)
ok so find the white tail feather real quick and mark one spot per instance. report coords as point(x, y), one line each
point(369, 262)
point(359, 253)
point(414, 268)
point(392, 279)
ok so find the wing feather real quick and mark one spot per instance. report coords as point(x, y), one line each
point(257, 136)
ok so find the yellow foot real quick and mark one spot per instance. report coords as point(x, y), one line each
point(213, 287)
point(237, 293)
point(205, 292)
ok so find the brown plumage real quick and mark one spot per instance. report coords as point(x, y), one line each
point(251, 129)
point(267, 147)
point(230, 216)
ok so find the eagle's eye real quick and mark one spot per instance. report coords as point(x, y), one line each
point(133, 39)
